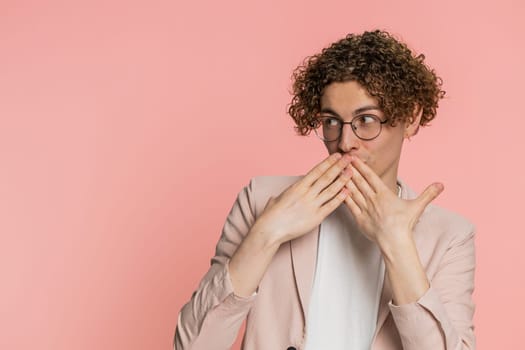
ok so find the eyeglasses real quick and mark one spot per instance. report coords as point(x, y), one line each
point(366, 127)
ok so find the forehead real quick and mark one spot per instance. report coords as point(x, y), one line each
point(346, 97)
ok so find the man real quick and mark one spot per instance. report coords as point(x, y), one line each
point(347, 256)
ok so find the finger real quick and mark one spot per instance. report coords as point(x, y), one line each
point(356, 195)
point(332, 189)
point(368, 174)
point(333, 203)
point(362, 185)
point(428, 195)
point(320, 169)
point(330, 175)
point(354, 208)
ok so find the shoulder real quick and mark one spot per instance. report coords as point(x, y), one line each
point(440, 223)
point(261, 188)
point(274, 184)
point(446, 223)
point(441, 232)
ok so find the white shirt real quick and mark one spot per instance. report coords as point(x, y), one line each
point(347, 287)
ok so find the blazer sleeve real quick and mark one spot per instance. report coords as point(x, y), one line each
point(212, 317)
point(442, 317)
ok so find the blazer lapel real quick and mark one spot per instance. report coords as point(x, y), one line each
point(304, 255)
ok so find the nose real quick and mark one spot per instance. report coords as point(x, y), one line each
point(348, 140)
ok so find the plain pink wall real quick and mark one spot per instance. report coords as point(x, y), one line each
point(128, 127)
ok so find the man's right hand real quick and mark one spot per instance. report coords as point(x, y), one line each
point(306, 203)
point(296, 211)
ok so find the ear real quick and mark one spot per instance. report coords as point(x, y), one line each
point(412, 124)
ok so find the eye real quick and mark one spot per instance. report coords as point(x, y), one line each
point(365, 120)
point(330, 122)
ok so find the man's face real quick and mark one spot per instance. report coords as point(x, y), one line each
point(347, 100)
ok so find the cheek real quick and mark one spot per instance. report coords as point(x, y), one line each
point(380, 156)
point(331, 147)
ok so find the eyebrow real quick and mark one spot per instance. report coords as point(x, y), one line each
point(354, 113)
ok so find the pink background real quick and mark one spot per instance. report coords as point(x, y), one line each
point(128, 128)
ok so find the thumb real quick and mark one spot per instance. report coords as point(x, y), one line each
point(429, 194)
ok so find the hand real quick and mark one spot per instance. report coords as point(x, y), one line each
point(296, 211)
point(379, 213)
point(304, 204)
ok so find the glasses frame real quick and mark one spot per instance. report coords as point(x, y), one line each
point(381, 122)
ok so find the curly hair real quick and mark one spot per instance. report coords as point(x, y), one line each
point(384, 66)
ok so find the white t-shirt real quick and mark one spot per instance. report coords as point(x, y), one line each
point(347, 286)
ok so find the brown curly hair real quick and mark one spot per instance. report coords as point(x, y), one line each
point(383, 65)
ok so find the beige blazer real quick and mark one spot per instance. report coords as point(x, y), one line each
point(276, 315)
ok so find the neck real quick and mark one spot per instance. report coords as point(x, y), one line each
point(390, 180)
point(390, 177)
point(394, 188)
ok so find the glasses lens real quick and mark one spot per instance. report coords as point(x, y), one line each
point(329, 128)
point(367, 127)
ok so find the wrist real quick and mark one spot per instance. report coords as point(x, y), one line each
point(404, 270)
point(396, 246)
point(267, 238)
